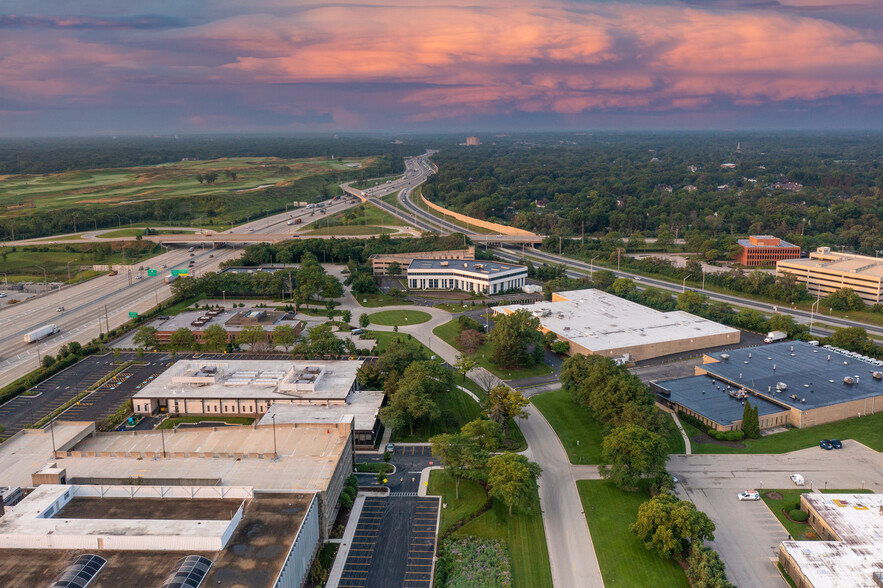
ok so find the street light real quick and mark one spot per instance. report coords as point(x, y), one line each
point(275, 452)
point(592, 265)
point(224, 297)
point(684, 285)
point(44, 272)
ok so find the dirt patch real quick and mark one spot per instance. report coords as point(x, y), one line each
point(773, 495)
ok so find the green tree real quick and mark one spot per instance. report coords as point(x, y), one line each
point(253, 336)
point(364, 321)
point(364, 284)
point(705, 569)
point(394, 268)
point(346, 316)
point(669, 526)
point(214, 337)
point(512, 479)
point(145, 337)
point(750, 421)
point(844, 299)
point(624, 287)
point(416, 395)
point(503, 403)
point(462, 457)
point(284, 335)
point(322, 340)
point(516, 340)
point(664, 238)
point(631, 452)
point(851, 338)
point(603, 279)
point(487, 434)
point(692, 302)
point(182, 339)
point(464, 365)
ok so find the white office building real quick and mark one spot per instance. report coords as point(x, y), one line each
point(487, 277)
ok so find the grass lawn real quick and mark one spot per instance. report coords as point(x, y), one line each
point(361, 215)
point(449, 331)
point(391, 198)
point(350, 230)
point(22, 265)
point(789, 500)
point(847, 491)
point(623, 559)
point(457, 409)
point(171, 423)
point(454, 308)
point(867, 430)
point(391, 318)
point(378, 300)
point(574, 424)
point(522, 533)
point(472, 497)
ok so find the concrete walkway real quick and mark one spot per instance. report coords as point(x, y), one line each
point(345, 543)
point(674, 415)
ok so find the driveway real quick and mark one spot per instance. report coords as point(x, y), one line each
point(747, 534)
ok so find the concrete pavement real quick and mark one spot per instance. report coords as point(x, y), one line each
point(747, 534)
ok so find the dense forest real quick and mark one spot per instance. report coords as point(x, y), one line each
point(808, 188)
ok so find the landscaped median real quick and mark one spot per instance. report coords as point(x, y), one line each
point(173, 422)
point(400, 318)
point(522, 533)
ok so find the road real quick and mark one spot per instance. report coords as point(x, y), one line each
point(104, 302)
point(747, 535)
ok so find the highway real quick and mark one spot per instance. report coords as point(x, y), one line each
point(106, 300)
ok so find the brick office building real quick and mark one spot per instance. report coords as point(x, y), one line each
point(760, 250)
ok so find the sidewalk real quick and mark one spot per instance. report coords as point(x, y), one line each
point(346, 542)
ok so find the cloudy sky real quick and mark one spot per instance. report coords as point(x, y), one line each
point(197, 66)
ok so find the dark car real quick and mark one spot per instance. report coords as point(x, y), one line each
point(836, 444)
point(826, 445)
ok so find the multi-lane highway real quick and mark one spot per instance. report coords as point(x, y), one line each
point(105, 302)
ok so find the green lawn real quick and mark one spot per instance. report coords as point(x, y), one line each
point(846, 491)
point(401, 318)
point(472, 497)
point(454, 308)
point(789, 500)
point(457, 409)
point(574, 424)
point(378, 300)
point(23, 264)
point(171, 423)
point(350, 230)
point(623, 559)
point(449, 331)
point(522, 533)
point(867, 430)
point(391, 198)
point(365, 215)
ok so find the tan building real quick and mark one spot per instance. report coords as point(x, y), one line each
point(473, 141)
point(850, 552)
point(597, 323)
point(791, 383)
point(827, 271)
point(380, 261)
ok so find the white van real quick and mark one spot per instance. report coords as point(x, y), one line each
point(797, 479)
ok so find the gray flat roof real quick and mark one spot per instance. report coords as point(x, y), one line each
point(258, 379)
point(813, 374)
point(29, 450)
point(184, 319)
point(709, 398)
point(478, 267)
point(362, 406)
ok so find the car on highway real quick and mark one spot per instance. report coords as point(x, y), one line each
point(59, 309)
point(211, 254)
point(138, 277)
point(836, 443)
point(749, 495)
point(192, 254)
point(2, 294)
point(826, 445)
point(163, 266)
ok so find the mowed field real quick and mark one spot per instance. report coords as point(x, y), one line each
point(117, 187)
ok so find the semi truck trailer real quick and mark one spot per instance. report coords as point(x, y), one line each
point(41, 333)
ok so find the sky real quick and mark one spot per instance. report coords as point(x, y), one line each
point(100, 67)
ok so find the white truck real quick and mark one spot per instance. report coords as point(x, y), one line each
point(41, 333)
point(774, 336)
point(170, 278)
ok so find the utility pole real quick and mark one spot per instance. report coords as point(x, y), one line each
point(106, 320)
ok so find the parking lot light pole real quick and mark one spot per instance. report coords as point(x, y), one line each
point(684, 285)
point(275, 452)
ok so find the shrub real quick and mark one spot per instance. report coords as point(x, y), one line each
point(472, 561)
point(798, 515)
point(467, 322)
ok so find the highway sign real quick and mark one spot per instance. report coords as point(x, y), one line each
point(151, 272)
point(183, 272)
point(132, 314)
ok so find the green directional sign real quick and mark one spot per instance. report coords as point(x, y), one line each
point(132, 314)
point(151, 272)
point(183, 272)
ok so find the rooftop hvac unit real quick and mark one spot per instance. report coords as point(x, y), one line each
point(725, 356)
point(781, 386)
point(848, 380)
point(877, 375)
point(444, 264)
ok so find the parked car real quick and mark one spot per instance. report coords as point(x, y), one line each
point(836, 444)
point(749, 495)
point(826, 445)
point(797, 479)
point(390, 447)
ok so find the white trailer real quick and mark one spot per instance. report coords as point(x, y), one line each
point(41, 333)
point(170, 278)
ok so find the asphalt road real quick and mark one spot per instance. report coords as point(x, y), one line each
point(747, 534)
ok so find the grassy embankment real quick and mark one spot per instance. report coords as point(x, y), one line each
point(23, 264)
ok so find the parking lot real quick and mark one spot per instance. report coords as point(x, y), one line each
point(747, 534)
point(54, 392)
point(394, 544)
